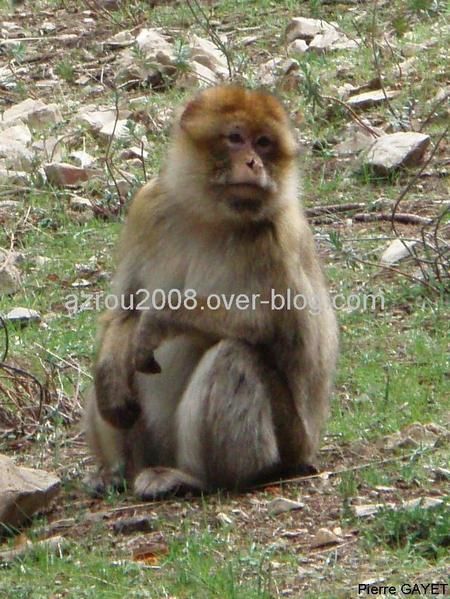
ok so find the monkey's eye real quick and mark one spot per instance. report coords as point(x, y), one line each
point(235, 138)
point(264, 142)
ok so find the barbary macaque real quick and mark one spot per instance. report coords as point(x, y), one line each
point(225, 393)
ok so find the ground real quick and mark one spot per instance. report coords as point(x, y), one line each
point(393, 370)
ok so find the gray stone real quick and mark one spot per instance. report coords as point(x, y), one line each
point(397, 150)
point(371, 98)
point(22, 316)
point(34, 113)
point(306, 29)
point(23, 492)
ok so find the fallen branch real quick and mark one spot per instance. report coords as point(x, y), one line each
point(400, 217)
point(333, 208)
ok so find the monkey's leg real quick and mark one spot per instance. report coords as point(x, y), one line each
point(225, 431)
point(107, 444)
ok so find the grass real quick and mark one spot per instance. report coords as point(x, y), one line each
point(393, 370)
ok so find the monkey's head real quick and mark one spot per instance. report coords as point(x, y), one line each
point(234, 153)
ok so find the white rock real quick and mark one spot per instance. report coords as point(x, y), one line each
point(156, 46)
point(371, 98)
point(22, 316)
point(12, 177)
point(275, 68)
point(397, 250)
point(325, 40)
point(120, 40)
point(207, 54)
point(324, 537)
point(10, 279)
point(80, 204)
point(14, 142)
point(297, 47)
point(98, 117)
point(34, 113)
point(50, 148)
point(23, 491)
point(83, 159)
point(397, 150)
point(198, 75)
point(305, 29)
point(282, 504)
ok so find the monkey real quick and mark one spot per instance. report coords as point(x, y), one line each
point(206, 395)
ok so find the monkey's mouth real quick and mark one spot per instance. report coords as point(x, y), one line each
point(245, 204)
point(245, 198)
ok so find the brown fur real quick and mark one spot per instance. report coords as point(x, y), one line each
point(241, 393)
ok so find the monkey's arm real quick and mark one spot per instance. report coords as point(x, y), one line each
point(115, 368)
point(155, 326)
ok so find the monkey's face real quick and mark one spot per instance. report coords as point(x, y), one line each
point(239, 150)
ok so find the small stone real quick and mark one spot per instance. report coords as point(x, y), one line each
point(397, 250)
point(14, 142)
point(206, 53)
point(156, 46)
point(371, 98)
point(425, 503)
point(34, 113)
point(306, 29)
point(224, 519)
point(80, 204)
point(23, 491)
point(22, 316)
point(397, 150)
point(127, 526)
point(324, 537)
point(297, 47)
point(82, 158)
point(282, 504)
point(62, 174)
point(122, 39)
point(198, 75)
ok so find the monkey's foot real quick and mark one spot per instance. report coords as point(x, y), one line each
point(100, 483)
point(159, 481)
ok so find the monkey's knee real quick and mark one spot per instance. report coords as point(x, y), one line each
point(226, 433)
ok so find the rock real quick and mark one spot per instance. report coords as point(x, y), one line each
point(22, 316)
point(14, 142)
point(415, 435)
point(62, 174)
point(134, 152)
point(12, 177)
point(98, 117)
point(306, 29)
point(122, 39)
point(55, 545)
point(282, 504)
point(369, 509)
point(324, 41)
point(83, 159)
point(397, 250)
point(9, 279)
point(275, 69)
point(50, 148)
point(23, 491)
point(206, 53)
point(34, 113)
point(297, 47)
point(371, 98)
point(324, 537)
point(80, 204)
point(198, 74)
point(156, 47)
point(356, 139)
point(425, 503)
point(396, 150)
point(128, 526)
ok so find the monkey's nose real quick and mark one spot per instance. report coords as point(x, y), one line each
point(251, 163)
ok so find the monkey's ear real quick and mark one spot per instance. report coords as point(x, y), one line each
point(190, 113)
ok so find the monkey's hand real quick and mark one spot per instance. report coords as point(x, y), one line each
point(116, 399)
point(153, 329)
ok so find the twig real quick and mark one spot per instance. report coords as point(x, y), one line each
point(333, 208)
point(354, 115)
point(332, 473)
point(26, 374)
point(400, 217)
